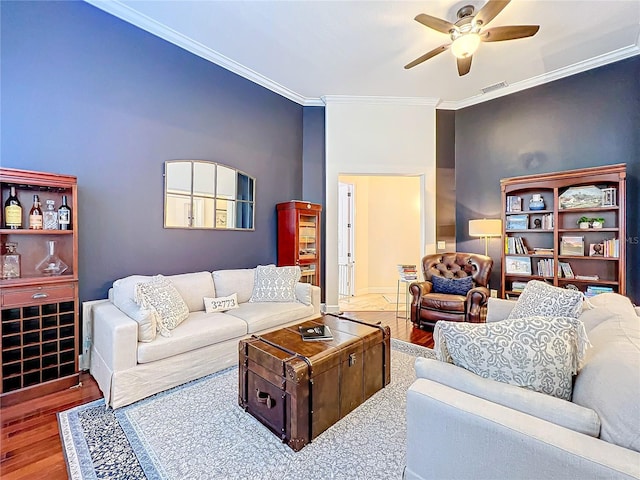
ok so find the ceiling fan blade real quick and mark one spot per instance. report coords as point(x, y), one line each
point(436, 23)
point(464, 65)
point(491, 9)
point(498, 34)
point(426, 56)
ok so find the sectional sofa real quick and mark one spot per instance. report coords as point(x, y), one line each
point(129, 362)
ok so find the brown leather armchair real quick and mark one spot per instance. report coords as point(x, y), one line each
point(427, 307)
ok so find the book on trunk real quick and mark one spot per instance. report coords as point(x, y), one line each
point(317, 333)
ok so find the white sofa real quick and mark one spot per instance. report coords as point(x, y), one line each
point(128, 370)
point(463, 426)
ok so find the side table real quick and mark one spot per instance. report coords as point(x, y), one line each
point(407, 297)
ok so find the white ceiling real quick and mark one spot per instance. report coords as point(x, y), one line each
point(307, 50)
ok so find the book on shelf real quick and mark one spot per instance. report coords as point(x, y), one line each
point(315, 334)
point(514, 203)
point(518, 222)
point(545, 267)
point(515, 245)
point(542, 251)
point(593, 290)
point(565, 269)
point(518, 286)
point(587, 277)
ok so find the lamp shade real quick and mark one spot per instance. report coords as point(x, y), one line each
point(465, 45)
point(485, 227)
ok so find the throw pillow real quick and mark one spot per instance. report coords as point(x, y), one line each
point(452, 286)
point(275, 284)
point(539, 353)
point(540, 298)
point(221, 304)
point(162, 297)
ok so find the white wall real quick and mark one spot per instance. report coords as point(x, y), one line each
point(378, 136)
point(387, 229)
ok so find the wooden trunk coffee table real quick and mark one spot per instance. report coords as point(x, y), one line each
point(298, 389)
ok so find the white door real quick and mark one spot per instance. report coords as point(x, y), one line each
point(346, 260)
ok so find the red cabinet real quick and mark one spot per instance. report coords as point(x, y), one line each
point(299, 238)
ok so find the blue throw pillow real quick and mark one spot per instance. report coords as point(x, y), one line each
point(452, 286)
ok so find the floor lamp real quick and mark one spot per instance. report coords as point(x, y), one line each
point(485, 228)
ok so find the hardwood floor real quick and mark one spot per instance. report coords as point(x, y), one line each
point(29, 438)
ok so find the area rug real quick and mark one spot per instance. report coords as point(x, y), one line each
point(198, 431)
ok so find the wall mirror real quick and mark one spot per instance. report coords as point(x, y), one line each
point(202, 194)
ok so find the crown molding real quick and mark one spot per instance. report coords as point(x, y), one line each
point(421, 101)
point(126, 13)
point(595, 62)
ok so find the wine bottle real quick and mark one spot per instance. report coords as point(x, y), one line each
point(13, 210)
point(64, 215)
point(35, 215)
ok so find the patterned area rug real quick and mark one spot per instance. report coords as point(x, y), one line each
point(198, 431)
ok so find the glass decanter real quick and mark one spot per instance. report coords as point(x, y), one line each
point(11, 261)
point(52, 264)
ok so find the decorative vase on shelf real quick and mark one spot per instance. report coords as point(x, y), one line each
point(536, 202)
point(52, 264)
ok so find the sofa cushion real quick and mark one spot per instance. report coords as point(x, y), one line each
point(234, 281)
point(122, 295)
point(452, 286)
point(200, 329)
point(546, 407)
point(193, 287)
point(220, 304)
point(609, 383)
point(163, 298)
point(275, 284)
point(262, 316)
point(540, 298)
point(539, 353)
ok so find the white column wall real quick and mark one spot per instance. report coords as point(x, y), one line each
point(377, 136)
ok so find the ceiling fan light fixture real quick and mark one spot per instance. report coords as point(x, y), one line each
point(465, 45)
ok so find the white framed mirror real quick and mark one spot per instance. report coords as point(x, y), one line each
point(207, 195)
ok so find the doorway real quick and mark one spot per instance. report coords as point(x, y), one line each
point(379, 227)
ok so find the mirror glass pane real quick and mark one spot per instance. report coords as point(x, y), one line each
point(202, 194)
point(226, 185)
point(179, 177)
point(204, 175)
point(177, 210)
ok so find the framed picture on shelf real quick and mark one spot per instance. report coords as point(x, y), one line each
point(596, 250)
point(518, 222)
point(572, 246)
point(518, 265)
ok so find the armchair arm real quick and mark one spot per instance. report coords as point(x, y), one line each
point(418, 289)
point(476, 298)
point(499, 442)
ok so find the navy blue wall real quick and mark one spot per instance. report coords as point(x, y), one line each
point(86, 94)
point(586, 120)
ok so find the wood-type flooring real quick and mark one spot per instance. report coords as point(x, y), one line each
point(29, 440)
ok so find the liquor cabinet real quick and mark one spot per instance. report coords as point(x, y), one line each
point(39, 338)
point(299, 238)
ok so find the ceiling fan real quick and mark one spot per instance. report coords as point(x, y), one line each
point(469, 30)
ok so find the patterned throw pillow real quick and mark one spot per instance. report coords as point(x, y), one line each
point(275, 284)
point(538, 353)
point(540, 298)
point(221, 304)
point(160, 296)
point(453, 286)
